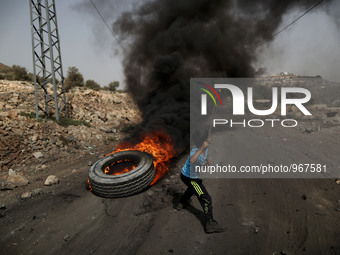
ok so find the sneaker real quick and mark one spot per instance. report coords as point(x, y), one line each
point(212, 226)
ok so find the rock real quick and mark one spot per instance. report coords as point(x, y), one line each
point(37, 192)
point(25, 195)
point(74, 171)
point(41, 167)
point(51, 180)
point(81, 114)
point(2, 210)
point(17, 131)
point(3, 114)
point(309, 130)
point(12, 114)
point(280, 253)
point(17, 180)
point(35, 137)
point(11, 173)
point(90, 163)
point(337, 181)
point(7, 185)
point(150, 193)
point(38, 154)
point(256, 229)
point(302, 129)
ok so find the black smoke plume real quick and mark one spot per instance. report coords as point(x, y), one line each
point(169, 41)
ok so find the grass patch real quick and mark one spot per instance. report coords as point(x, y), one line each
point(30, 115)
point(63, 121)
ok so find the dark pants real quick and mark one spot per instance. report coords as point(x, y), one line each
point(195, 186)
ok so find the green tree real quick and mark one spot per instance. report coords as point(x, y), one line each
point(91, 84)
point(74, 78)
point(20, 73)
point(112, 86)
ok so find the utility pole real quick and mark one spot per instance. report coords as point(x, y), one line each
point(47, 65)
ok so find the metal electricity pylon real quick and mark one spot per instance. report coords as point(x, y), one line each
point(50, 96)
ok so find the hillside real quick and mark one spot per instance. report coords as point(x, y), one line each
point(3, 67)
point(26, 143)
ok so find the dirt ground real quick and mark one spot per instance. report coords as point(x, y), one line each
point(262, 216)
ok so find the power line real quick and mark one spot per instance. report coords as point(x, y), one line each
point(291, 23)
point(101, 16)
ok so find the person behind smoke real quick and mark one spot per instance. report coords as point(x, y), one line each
point(198, 157)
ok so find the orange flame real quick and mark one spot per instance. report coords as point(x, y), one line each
point(159, 145)
point(88, 181)
point(107, 170)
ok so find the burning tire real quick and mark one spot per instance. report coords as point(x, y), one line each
point(123, 183)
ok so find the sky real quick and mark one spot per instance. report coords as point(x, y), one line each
point(79, 33)
point(309, 47)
